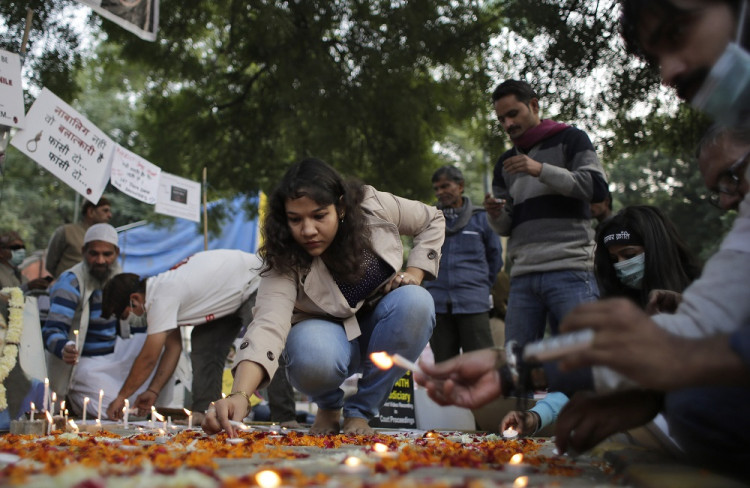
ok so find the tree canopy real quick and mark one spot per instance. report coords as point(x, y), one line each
point(384, 90)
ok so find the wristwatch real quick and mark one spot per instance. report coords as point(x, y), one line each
point(517, 375)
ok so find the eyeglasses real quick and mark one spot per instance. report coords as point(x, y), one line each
point(729, 181)
point(15, 247)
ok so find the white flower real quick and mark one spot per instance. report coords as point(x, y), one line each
point(12, 339)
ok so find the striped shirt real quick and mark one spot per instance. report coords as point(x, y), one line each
point(65, 297)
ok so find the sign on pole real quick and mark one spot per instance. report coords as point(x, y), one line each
point(66, 144)
point(179, 197)
point(134, 176)
point(11, 90)
point(141, 17)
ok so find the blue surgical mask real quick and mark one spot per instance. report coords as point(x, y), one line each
point(630, 272)
point(725, 94)
point(17, 256)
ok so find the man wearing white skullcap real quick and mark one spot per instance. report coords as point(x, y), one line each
point(80, 366)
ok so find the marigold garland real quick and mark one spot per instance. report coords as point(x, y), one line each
point(12, 339)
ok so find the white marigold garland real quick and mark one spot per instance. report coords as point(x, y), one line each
point(12, 339)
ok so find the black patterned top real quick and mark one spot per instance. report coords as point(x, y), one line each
point(376, 272)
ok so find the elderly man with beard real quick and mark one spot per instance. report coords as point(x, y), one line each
point(105, 348)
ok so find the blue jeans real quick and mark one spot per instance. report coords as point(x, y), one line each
point(319, 356)
point(536, 298)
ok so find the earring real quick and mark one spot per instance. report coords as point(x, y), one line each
point(341, 218)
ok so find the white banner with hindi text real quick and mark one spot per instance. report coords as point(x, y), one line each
point(67, 144)
point(11, 90)
point(134, 176)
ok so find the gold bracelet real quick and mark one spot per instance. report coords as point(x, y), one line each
point(247, 397)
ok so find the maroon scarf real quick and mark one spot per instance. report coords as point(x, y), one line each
point(535, 135)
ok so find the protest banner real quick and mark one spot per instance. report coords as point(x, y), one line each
point(398, 410)
point(141, 17)
point(178, 197)
point(67, 144)
point(11, 90)
point(134, 176)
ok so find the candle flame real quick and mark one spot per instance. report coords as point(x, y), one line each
point(54, 397)
point(378, 447)
point(46, 381)
point(268, 479)
point(521, 482)
point(353, 461)
point(85, 401)
point(382, 360)
point(62, 405)
point(73, 425)
point(516, 459)
point(101, 393)
point(49, 417)
point(159, 416)
point(33, 407)
point(187, 412)
point(127, 403)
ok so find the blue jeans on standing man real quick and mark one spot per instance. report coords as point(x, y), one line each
point(319, 356)
point(536, 298)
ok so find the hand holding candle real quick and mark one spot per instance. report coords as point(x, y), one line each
point(384, 361)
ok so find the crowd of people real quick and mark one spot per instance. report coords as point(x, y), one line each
point(331, 284)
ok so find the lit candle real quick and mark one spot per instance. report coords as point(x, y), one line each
point(382, 451)
point(66, 415)
point(153, 415)
point(49, 424)
point(125, 413)
point(239, 425)
point(515, 465)
point(73, 425)
point(85, 407)
point(45, 402)
point(52, 406)
point(33, 410)
point(510, 433)
point(190, 417)
point(383, 361)
point(75, 333)
point(353, 464)
point(99, 408)
point(521, 482)
point(268, 479)
point(62, 409)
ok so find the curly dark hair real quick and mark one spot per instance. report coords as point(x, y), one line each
point(669, 263)
point(321, 183)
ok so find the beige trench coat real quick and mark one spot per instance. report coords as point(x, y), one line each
point(284, 300)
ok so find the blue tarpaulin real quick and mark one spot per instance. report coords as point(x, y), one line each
point(150, 249)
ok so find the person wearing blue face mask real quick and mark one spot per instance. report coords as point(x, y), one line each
point(638, 250)
point(12, 254)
